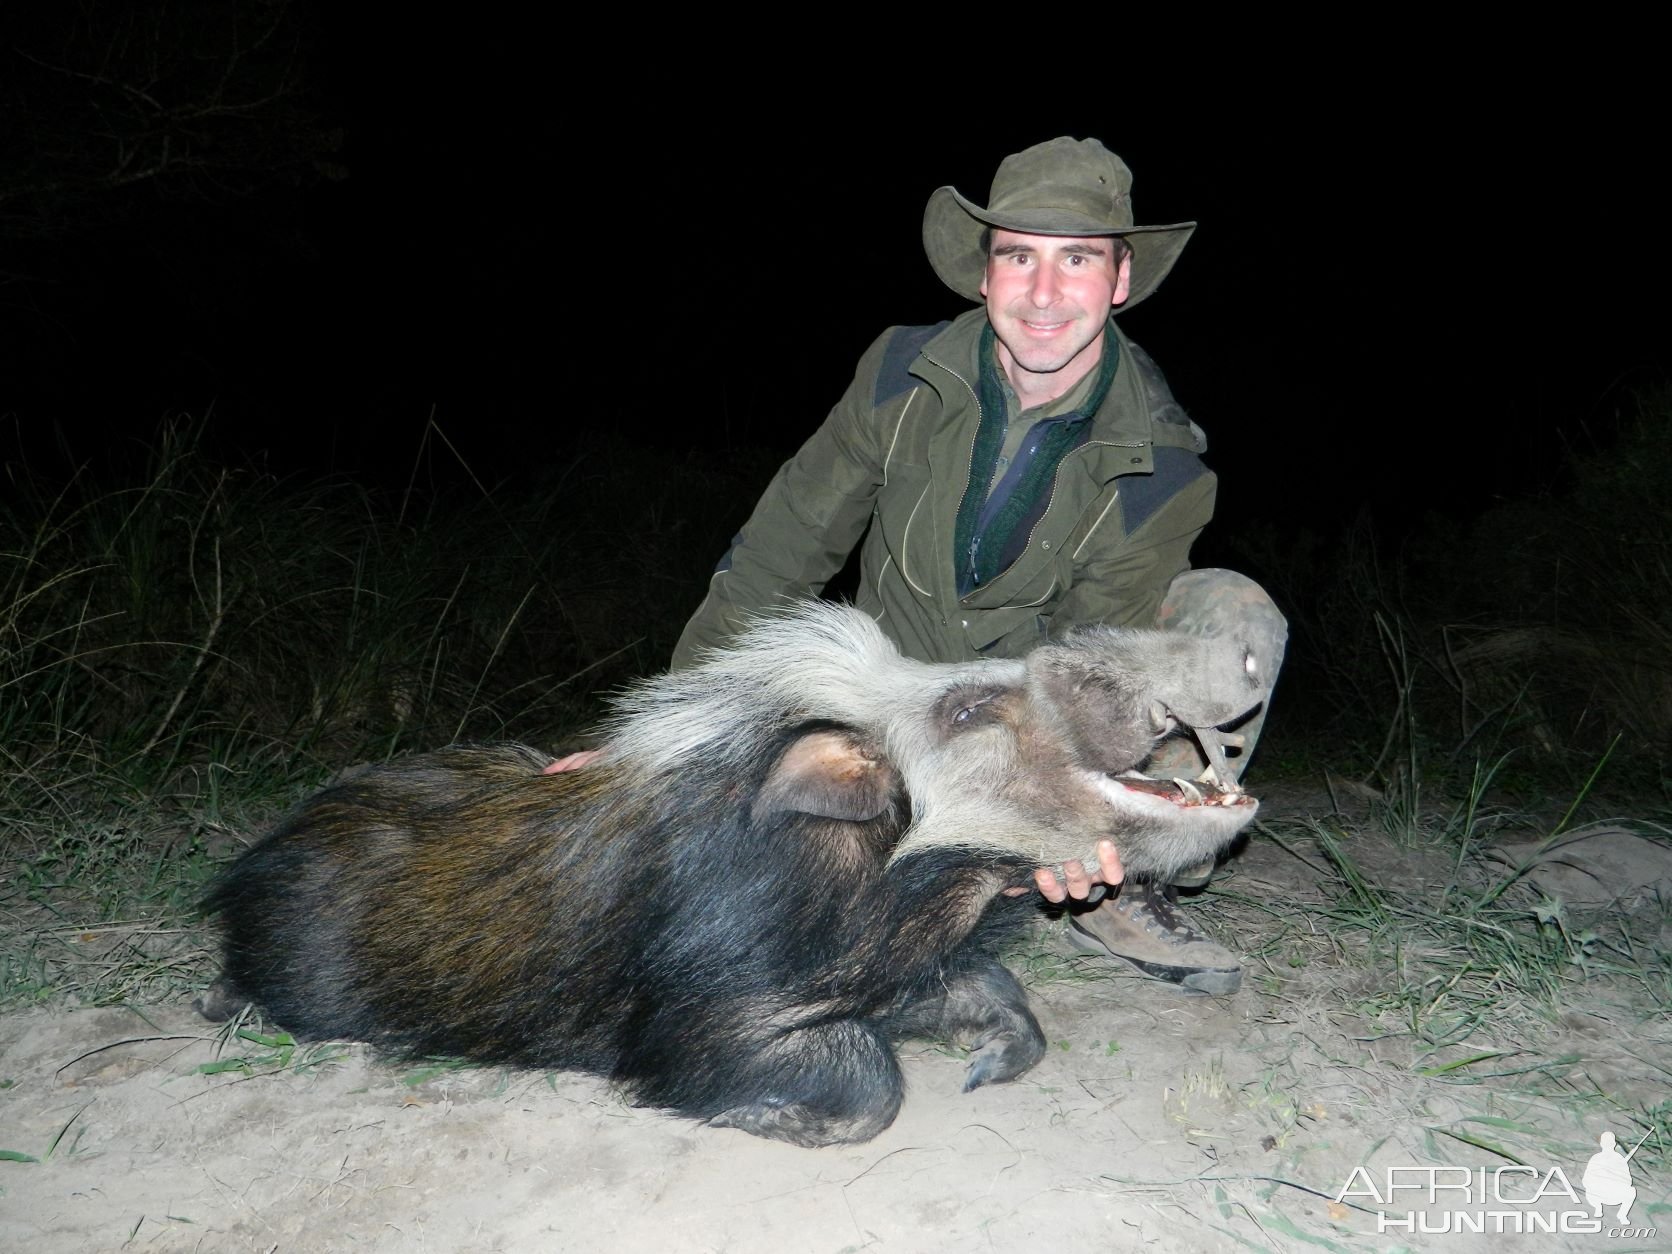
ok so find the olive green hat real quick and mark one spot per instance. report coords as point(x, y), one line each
point(1061, 187)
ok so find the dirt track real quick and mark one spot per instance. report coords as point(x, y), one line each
point(1157, 1121)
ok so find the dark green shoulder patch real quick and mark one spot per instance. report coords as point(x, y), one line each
point(895, 376)
point(1142, 496)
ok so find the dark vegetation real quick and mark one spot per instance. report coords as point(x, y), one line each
point(1536, 632)
point(186, 645)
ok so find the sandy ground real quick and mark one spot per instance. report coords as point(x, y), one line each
point(1157, 1121)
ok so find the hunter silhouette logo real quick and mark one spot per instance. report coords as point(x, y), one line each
point(1607, 1178)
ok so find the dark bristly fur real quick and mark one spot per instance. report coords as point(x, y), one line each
point(786, 860)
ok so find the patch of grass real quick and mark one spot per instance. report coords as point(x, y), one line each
point(1472, 947)
point(434, 1068)
point(1534, 634)
point(64, 1142)
point(250, 1051)
point(1036, 958)
point(186, 647)
point(1520, 1026)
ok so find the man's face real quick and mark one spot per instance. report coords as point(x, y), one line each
point(1048, 297)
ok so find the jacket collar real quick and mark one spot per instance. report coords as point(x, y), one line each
point(951, 364)
point(1120, 444)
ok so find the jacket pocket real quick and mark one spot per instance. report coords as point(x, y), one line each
point(904, 516)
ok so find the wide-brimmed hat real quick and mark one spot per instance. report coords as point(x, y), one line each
point(1061, 187)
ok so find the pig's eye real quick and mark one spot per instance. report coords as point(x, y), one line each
point(969, 706)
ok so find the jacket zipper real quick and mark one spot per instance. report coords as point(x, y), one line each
point(969, 459)
point(975, 546)
point(1049, 500)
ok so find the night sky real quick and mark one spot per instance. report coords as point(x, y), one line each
point(1411, 304)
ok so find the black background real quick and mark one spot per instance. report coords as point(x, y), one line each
point(1408, 299)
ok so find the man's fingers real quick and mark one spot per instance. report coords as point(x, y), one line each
point(1049, 886)
point(1077, 882)
point(1108, 862)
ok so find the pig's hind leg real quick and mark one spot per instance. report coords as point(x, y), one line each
point(978, 1002)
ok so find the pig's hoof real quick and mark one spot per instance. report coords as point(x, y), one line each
point(1004, 1057)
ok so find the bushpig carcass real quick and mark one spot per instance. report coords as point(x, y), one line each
point(785, 860)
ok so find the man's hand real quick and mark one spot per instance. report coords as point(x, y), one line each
point(1079, 880)
point(571, 762)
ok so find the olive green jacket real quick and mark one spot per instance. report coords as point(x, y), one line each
point(891, 464)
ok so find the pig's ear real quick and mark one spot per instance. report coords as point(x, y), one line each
point(829, 773)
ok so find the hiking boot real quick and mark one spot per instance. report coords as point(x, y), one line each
point(1146, 929)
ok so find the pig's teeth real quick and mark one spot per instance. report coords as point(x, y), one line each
point(1222, 783)
point(1192, 794)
